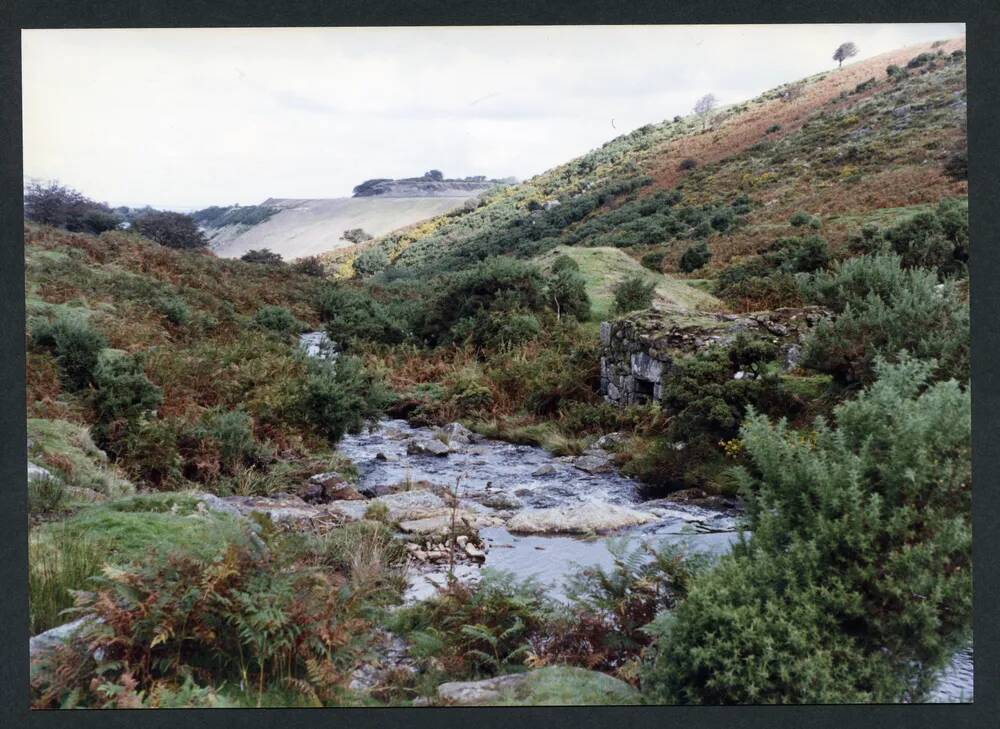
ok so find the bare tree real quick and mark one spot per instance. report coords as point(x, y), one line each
point(703, 108)
point(844, 51)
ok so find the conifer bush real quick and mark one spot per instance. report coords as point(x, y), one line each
point(277, 319)
point(855, 585)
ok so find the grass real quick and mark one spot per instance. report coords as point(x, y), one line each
point(59, 561)
point(603, 267)
point(544, 434)
point(67, 450)
point(129, 528)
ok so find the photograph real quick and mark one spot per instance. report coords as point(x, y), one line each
point(497, 365)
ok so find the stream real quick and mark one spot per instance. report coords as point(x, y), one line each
point(504, 479)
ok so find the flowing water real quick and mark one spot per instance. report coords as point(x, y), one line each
point(501, 478)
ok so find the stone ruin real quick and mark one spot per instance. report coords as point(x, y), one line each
point(637, 350)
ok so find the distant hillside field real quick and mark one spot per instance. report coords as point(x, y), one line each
point(308, 227)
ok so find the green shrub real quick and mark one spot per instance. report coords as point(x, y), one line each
point(339, 397)
point(371, 261)
point(262, 256)
point(564, 263)
point(309, 266)
point(882, 308)
point(123, 392)
point(174, 230)
point(895, 72)
point(64, 207)
point(353, 315)
point(567, 292)
point(277, 319)
point(773, 128)
point(937, 240)
point(800, 218)
point(175, 310)
point(855, 585)
point(687, 164)
point(957, 166)
point(695, 257)
point(653, 261)
point(633, 293)
point(76, 346)
point(228, 436)
point(920, 60)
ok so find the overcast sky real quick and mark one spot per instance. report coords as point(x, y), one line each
point(189, 118)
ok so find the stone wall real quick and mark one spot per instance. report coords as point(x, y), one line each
point(637, 351)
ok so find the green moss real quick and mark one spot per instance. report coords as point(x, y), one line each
point(569, 686)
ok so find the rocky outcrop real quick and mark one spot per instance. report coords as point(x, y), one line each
point(637, 351)
point(590, 518)
point(428, 447)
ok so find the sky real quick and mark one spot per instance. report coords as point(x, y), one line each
point(186, 118)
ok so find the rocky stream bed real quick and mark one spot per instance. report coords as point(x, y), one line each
point(510, 507)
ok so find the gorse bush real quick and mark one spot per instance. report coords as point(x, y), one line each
point(938, 239)
point(277, 319)
point(222, 443)
point(339, 397)
point(74, 343)
point(123, 392)
point(353, 315)
point(881, 309)
point(855, 585)
point(633, 293)
point(371, 261)
point(695, 257)
point(309, 266)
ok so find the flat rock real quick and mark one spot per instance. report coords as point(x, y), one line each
point(593, 463)
point(552, 686)
point(578, 519)
point(547, 470)
point(473, 693)
point(440, 524)
point(428, 447)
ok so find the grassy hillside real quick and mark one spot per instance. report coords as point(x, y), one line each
point(841, 145)
point(603, 268)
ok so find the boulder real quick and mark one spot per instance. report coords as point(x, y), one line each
point(56, 636)
point(593, 462)
point(440, 524)
point(457, 433)
point(428, 447)
point(591, 517)
point(552, 686)
point(610, 441)
point(37, 473)
point(546, 470)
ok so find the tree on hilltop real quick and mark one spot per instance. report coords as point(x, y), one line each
point(844, 51)
point(704, 107)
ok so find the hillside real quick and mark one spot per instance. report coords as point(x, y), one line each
point(740, 345)
point(842, 145)
point(310, 227)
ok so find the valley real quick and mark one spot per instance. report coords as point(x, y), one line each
point(685, 420)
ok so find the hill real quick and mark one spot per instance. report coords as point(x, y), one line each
point(310, 227)
point(841, 145)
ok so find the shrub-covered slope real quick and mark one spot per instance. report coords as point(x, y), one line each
point(842, 145)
